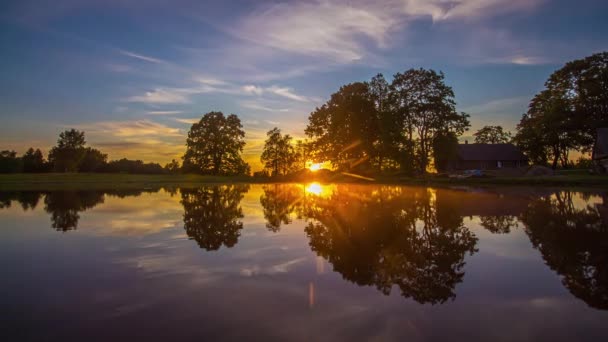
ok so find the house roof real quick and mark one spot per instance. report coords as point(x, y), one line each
point(600, 150)
point(489, 152)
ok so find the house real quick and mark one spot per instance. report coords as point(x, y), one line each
point(486, 157)
point(600, 150)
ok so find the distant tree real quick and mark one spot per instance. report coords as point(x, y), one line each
point(132, 166)
point(9, 162)
point(492, 135)
point(33, 161)
point(215, 144)
point(345, 129)
point(173, 167)
point(278, 155)
point(68, 153)
point(426, 108)
point(92, 161)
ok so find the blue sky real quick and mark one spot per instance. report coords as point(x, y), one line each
point(135, 74)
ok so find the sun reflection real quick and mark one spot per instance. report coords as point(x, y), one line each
point(314, 188)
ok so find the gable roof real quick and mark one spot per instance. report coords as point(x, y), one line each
point(490, 152)
point(600, 150)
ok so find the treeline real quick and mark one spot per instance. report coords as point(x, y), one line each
point(565, 116)
point(72, 155)
point(377, 126)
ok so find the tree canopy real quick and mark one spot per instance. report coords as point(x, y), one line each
point(278, 155)
point(214, 146)
point(492, 135)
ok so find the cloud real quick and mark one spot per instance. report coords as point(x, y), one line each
point(345, 31)
point(188, 121)
point(138, 128)
point(163, 112)
point(257, 106)
point(276, 90)
point(142, 57)
point(162, 96)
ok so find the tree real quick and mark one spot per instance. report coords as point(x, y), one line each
point(278, 155)
point(173, 167)
point(215, 144)
point(68, 153)
point(492, 135)
point(445, 148)
point(345, 129)
point(548, 131)
point(9, 162)
point(92, 161)
point(425, 107)
point(33, 161)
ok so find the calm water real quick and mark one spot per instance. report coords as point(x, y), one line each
point(304, 262)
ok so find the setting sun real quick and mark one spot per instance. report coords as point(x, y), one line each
point(315, 167)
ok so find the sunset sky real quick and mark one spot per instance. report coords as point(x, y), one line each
point(135, 74)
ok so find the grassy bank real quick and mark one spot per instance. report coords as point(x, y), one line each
point(63, 181)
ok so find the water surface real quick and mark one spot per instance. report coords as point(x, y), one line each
point(304, 262)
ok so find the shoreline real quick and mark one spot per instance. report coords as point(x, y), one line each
point(99, 181)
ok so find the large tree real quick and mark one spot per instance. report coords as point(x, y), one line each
point(345, 129)
point(215, 144)
point(426, 108)
point(279, 155)
point(69, 151)
point(492, 135)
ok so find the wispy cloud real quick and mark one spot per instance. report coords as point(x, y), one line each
point(348, 30)
point(142, 57)
point(257, 106)
point(163, 112)
point(188, 121)
point(162, 96)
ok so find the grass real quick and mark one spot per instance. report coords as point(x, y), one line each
point(72, 181)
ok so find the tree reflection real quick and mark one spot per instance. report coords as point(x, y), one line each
point(212, 215)
point(573, 242)
point(279, 201)
point(65, 206)
point(27, 199)
point(383, 236)
point(499, 224)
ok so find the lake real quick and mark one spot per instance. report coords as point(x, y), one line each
point(305, 262)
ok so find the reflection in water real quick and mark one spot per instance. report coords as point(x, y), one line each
point(382, 236)
point(64, 207)
point(573, 242)
point(212, 215)
point(410, 238)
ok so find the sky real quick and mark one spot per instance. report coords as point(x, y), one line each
point(134, 75)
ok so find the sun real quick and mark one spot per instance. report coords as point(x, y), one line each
point(315, 167)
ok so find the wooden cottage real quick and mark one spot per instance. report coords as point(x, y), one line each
point(486, 157)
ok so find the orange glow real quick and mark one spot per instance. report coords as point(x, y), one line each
point(315, 167)
point(314, 188)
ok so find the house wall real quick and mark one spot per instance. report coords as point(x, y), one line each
point(484, 164)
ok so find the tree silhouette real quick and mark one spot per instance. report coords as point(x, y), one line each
point(492, 135)
point(215, 144)
point(27, 199)
point(212, 215)
point(33, 161)
point(392, 237)
point(278, 156)
point(499, 224)
point(426, 109)
point(69, 151)
point(573, 242)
